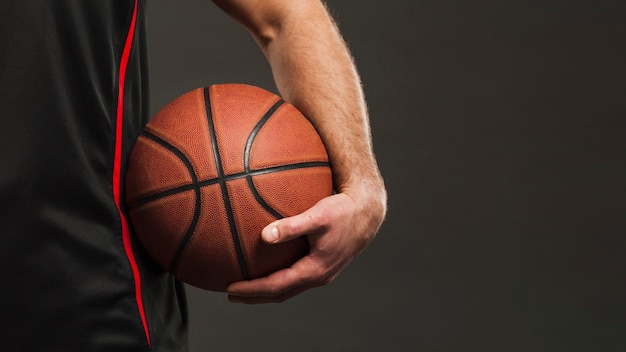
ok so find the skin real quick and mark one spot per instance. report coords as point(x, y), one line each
point(314, 71)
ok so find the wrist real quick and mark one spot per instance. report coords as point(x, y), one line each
point(368, 193)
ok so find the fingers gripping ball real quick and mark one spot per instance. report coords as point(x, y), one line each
point(213, 168)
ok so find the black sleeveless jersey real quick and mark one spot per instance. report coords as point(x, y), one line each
point(73, 98)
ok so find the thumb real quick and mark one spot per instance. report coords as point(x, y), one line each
point(286, 229)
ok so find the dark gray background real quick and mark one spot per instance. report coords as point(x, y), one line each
point(500, 130)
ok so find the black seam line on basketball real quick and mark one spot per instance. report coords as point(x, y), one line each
point(246, 160)
point(194, 186)
point(243, 266)
point(201, 184)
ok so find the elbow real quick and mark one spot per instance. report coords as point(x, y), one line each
point(265, 34)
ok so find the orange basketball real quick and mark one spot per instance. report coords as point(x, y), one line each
point(213, 168)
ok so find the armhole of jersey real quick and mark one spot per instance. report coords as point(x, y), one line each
point(117, 170)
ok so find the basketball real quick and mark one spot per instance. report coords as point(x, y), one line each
point(211, 170)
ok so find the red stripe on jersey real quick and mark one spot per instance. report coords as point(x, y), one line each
point(117, 170)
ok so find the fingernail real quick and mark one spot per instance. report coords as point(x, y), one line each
point(272, 235)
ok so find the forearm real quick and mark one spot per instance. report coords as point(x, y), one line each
point(314, 71)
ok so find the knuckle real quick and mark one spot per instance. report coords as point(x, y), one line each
point(325, 216)
point(294, 227)
point(326, 281)
point(322, 277)
point(321, 218)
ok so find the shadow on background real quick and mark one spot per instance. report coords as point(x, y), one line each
point(500, 129)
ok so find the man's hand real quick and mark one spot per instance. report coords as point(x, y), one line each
point(338, 229)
